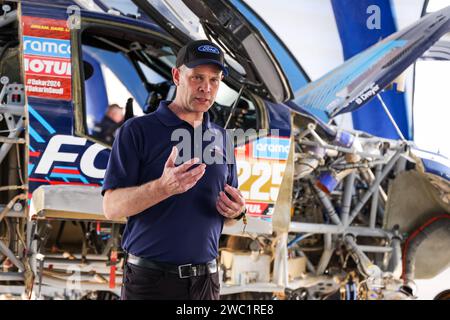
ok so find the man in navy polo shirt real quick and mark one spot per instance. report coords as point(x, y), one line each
point(175, 211)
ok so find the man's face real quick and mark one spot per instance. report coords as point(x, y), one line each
point(115, 113)
point(197, 87)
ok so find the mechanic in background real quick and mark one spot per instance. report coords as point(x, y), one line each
point(105, 130)
point(175, 213)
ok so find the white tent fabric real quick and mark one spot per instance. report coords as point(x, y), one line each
point(309, 30)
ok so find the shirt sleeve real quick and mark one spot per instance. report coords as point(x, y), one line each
point(232, 178)
point(232, 175)
point(124, 162)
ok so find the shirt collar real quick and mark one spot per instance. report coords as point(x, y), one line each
point(169, 118)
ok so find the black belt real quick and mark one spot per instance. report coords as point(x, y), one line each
point(183, 271)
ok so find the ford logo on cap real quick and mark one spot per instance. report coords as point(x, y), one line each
point(208, 48)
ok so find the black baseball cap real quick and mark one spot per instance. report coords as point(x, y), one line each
point(200, 52)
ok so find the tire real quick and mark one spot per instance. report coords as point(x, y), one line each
point(444, 295)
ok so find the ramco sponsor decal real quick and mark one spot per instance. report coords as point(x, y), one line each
point(46, 47)
point(276, 148)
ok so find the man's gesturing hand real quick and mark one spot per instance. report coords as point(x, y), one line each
point(175, 180)
point(230, 208)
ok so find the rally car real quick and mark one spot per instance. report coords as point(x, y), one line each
point(312, 233)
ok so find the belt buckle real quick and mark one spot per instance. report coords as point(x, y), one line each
point(180, 270)
point(211, 267)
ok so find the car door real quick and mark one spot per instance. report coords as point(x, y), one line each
point(253, 50)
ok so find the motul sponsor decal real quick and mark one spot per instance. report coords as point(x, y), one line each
point(256, 209)
point(47, 66)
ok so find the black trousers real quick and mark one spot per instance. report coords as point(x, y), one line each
point(141, 283)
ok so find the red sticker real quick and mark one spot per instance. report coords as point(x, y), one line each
point(256, 209)
point(48, 87)
point(45, 27)
point(47, 58)
point(46, 66)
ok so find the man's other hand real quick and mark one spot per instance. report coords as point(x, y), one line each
point(230, 207)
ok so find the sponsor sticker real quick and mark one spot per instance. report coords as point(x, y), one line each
point(47, 58)
point(260, 166)
point(275, 148)
point(256, 209)
point(45, 27)
point(47, 66)
point(46, 47)
point(370, 92)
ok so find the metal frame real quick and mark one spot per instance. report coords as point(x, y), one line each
point(8, 112)
point(343, 228)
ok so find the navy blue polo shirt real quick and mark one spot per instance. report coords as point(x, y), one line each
point(184, 228)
